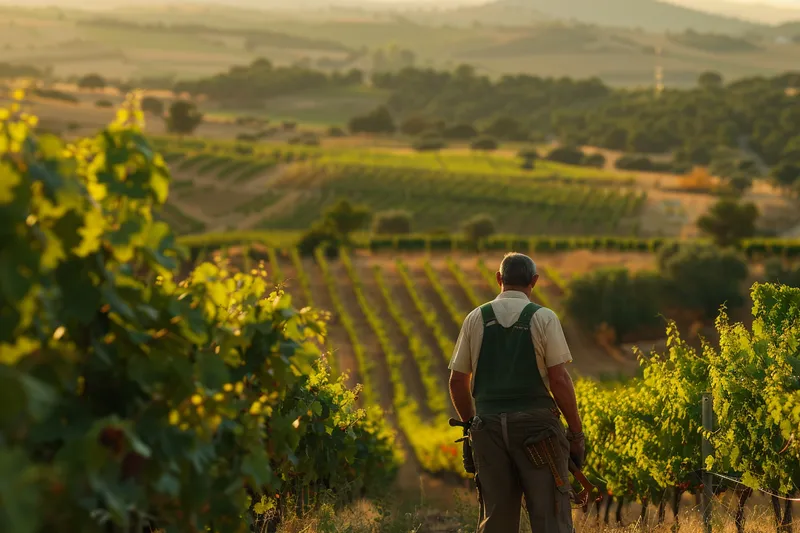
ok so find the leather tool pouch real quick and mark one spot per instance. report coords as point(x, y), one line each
point(546, 452)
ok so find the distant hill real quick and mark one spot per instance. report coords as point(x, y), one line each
point(650, 15)
point(755, 11)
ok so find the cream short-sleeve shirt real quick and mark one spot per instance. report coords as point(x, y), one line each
point(546, 332)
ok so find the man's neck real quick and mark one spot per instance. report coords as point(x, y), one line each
point(524, 290)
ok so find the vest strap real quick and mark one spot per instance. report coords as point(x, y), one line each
point(525, 317)
point(487, 313)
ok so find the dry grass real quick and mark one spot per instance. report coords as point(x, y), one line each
point(368, 517)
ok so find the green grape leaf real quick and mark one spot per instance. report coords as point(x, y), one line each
point(20, 512)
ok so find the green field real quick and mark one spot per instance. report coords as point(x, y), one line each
point(288, 188)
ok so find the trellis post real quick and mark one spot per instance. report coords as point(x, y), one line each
point(707, 451)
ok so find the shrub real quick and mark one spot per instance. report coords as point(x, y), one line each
point(729, 221)
point(92, 81)
point(703, 277)
point(461, 132)
point(336, 131)
point(486, 144)
point(594, 160)
point(428, 145)
point(104, 103)
point(377, 121)
point(393, 222)
point(413, 126)
point(635, 162)
point(529, 157)
point(54, 94)
point(243, 149)
point(625, 302)
point(478, 228)
point(775, 271)
point(506, 128)
point(153, 105)
point(183, 117)
point(307, 139)
point(569, 155)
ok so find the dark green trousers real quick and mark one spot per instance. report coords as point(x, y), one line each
point(507, 473)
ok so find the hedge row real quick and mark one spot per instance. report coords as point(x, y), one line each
point(426, 243)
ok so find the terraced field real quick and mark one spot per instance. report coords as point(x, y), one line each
point(225, 186)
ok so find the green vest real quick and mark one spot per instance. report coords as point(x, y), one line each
point(507, 379)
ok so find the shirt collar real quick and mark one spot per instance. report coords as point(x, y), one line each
point(511, 294)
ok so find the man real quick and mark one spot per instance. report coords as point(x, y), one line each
point(511, 358)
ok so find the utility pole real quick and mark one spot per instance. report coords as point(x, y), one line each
point(707, 451)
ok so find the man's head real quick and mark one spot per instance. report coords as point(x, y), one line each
point(517, 273)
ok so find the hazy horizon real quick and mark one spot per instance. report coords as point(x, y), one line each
point(758, 11)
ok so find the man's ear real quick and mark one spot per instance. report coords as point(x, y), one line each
point(499, 277)
point(534, 280)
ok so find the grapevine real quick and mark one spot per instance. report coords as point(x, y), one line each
point(425, 311)
point(365, 365)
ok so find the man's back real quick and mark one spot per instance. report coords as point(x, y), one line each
point(509, 382)
point(550, 345)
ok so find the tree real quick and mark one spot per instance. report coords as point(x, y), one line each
point(394, 222)
point(321, 233)
point(615, 139)
point(92, 81)
point(478, 228)
point(568, 155)
point(428, 144)
point(594, 160)
point(703, 277)
point(505, 128)
point(529, 157)
point(183, 117)
point(613, 296)
point(729, 221)
point(346, 218)
point(335, 228)
point(461, 132)
point(376, 121)
point(485, 144)
point(785, 175)
point(413, 126)
point(710, 80)
point(739, 183)
point(775, 271)
point(153, 105)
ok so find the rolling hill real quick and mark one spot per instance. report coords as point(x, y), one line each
point(650, 15)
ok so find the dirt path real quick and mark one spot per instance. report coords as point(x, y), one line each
point(343, 350)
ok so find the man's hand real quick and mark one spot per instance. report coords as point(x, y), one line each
point(577, 449)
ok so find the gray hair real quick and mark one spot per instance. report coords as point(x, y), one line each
point(517, 270)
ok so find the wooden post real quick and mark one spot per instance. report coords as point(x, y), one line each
point(708, 480)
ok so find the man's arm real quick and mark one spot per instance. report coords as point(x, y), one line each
point(461, 371)
point(461, 395)
point(564, 394)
